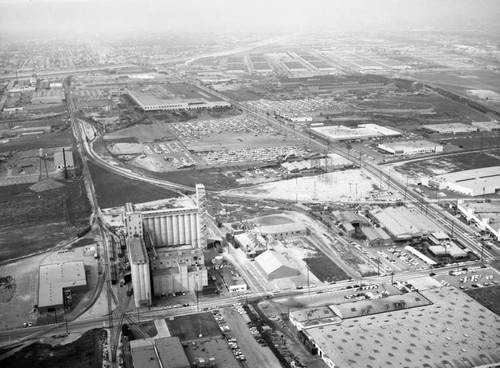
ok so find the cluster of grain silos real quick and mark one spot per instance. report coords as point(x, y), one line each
point(139, 267)
point(173, 227)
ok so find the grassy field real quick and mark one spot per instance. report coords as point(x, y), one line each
point(488, 296)
point(324, 269)
point(82, 353)
point(188, 327)
point(114, 190)
point(32, 222)
point(56, 139)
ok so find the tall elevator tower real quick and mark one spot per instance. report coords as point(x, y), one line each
point(201, 199)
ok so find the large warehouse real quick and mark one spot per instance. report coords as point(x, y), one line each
point(274, 266)
point(410, 148)
point(403, 223)
point(441, 327)
point(473, 182)
point(174, 98)
point(361, 132)
point(55, 280)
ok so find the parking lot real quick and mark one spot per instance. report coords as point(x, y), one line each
point(243, 341)
point(467, 278)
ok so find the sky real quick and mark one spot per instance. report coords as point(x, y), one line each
point(129, 16)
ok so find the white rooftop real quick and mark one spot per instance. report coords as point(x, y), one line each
point(55, 277)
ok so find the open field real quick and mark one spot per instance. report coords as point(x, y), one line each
point(188, 327)
point(324, 269)
point(334, 186)
point(471, 79)
point(32, 222)
point(85, 352)
point(488, 296)
point(114, 190)
point(22, 240)
point(57, 139)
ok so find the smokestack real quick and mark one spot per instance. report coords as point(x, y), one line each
point(64, 160)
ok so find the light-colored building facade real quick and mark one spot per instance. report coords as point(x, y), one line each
point(473, 182)
point(139, 268)
point(410, 148)
point(486, 216)
point(178, 271)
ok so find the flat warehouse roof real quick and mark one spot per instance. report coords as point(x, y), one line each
point(55, 277)
point(361, 131)
point(400, 221)
point(454, 330)
point(492, 172)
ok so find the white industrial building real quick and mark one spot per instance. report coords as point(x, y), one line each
point(475, 182)
point(252, 243)
point(449, 128)
point(410, 148)
point(275, 266)
point(148, 102)
point(361, 132)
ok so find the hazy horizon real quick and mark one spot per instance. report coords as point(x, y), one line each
point(72, 17)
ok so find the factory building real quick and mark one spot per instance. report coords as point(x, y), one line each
point(487, 126)
point(283, 231)
point(376, 236)
point(414, 329)
point(165, 245)
point(275, 266)
point(473, 182)
point(403, 223)
point(48, 97)
point(180, 270)
point(410, 148)
point(252, 243)
point(359, 133)
point(56, 280)
point(149, 102)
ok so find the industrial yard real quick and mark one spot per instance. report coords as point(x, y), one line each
point(219, 189)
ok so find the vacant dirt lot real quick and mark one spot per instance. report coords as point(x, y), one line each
point(82, 353)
